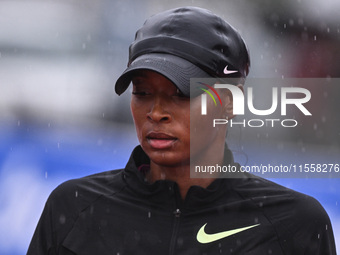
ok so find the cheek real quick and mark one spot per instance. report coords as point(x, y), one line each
point(202, 131)
point(204, 122)
point(138, 116)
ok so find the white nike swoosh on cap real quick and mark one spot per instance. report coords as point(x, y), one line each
point(204, 238)
point(226, 71)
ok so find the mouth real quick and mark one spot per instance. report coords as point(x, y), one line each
point(159, 140)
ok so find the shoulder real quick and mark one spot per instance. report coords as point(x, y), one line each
point(272, 196)
point(260, 189)
point(76, 194)
point(65, 204)
point(299, 220)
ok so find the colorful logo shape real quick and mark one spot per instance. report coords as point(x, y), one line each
point(209, 93)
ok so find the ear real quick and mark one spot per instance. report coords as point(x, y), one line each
point(229, 103)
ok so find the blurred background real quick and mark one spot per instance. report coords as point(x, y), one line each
point(60, 119)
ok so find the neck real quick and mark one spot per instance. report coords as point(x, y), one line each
point(181, 173)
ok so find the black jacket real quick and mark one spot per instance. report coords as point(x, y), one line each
point(118, 212)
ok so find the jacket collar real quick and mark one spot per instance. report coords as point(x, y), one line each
point(163, 189)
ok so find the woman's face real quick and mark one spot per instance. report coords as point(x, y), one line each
point(161, 115)
point(162, 118)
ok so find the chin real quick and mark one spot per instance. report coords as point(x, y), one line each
point(167, 158)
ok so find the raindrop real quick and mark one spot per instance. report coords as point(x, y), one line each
point(19, 123)
point(45, 175)
point(328, 29)
point(291, 22)
point(314, 37)
point(89, 38)
point(326, 227)
point(315, 126)
point(149, 215)
point(76, 194)
point(62, 219)
point(318, 236)
point(180, 241)
point(84, 46)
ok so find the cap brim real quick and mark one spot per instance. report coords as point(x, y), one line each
point(176, 69)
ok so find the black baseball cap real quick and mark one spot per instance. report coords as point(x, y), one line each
point(184, 43)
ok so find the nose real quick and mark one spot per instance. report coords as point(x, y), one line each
point(158, 111)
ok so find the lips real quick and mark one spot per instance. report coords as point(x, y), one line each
point(159, 140)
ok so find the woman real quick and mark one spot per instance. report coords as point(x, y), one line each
point(152, 206)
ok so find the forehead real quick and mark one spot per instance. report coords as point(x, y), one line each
point(140, 74)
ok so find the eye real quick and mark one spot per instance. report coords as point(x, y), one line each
point(140, 91)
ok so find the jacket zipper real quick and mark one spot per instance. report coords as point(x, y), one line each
point(177, 214)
